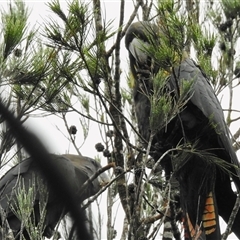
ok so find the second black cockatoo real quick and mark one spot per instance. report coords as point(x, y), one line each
point(27, 175)
point(205, 186)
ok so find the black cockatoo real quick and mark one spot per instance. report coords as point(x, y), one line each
point(205, 188)
point(76, 169)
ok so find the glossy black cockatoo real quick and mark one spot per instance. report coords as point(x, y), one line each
point(205, 187)
point(76, 170)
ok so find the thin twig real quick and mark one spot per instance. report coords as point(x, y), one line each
point(92, 199)
point(232, 218)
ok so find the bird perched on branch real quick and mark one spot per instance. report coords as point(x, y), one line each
point(203, 159)
point(28, 176)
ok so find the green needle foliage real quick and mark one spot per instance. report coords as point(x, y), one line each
point(14, 26)
point(23, 205)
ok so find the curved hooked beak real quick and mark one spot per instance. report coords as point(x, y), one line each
point(138, 49)
point(103, 179)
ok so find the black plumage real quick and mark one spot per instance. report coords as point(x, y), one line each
point(76, 169)
point(199, 126)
